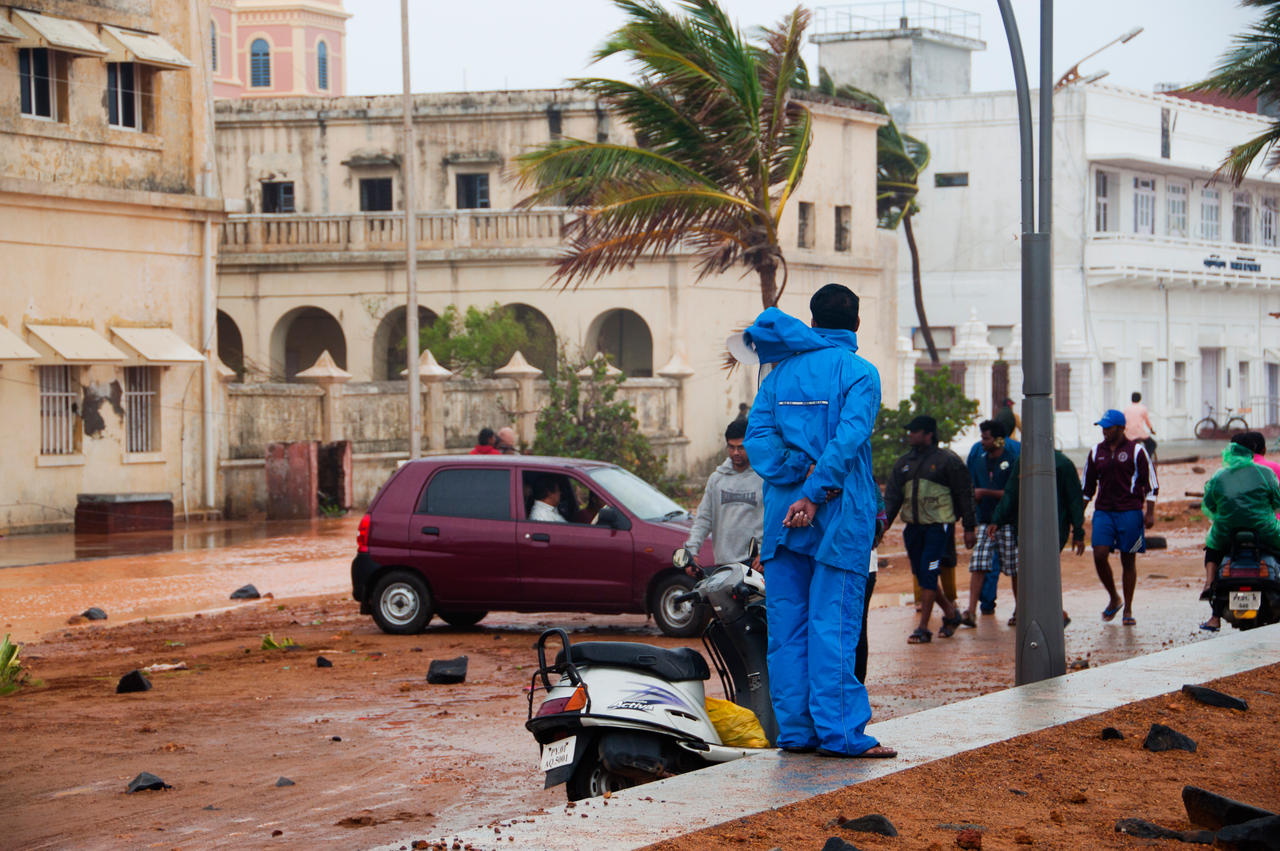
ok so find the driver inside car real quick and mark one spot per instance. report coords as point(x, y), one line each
point(546, 500)
point(1241, 497)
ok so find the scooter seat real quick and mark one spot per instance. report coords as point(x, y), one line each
point(680, 663)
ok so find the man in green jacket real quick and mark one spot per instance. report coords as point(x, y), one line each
point(932, 489)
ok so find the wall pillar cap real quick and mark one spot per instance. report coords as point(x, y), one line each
point(905, 346)
point(428, 370)
point(677, 368)
point(972, 344)
point(609, 369)
point(225, 373)
point(518, 367)
point(324, 371)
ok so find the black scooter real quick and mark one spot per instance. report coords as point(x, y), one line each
point(1246, 591)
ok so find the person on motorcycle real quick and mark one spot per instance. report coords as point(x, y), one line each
point(732, 506)
point(1241, 497)
point(809, 438)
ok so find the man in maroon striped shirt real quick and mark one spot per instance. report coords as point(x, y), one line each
point(1119, 471)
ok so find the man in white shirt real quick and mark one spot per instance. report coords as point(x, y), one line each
point(546, 496)
point(1137, 424)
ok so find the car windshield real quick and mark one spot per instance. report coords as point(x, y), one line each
point(636, 495)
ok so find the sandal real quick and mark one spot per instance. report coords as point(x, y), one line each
point(1110, 612)
point(967, 620)
point(949, 625)
point(1013, 619)
point(920, 636)
point(1208, 627)
point(1129, 621)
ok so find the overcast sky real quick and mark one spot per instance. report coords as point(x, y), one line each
point(524, 44)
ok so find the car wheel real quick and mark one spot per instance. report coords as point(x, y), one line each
point(679, 620)
point(401, 603)
point(462, 620)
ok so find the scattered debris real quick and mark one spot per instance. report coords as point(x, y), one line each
point(872, 823)
point(835, 843)
point(1197, 469)
point(1078, 664)
point(93, 613)
point(1211, 810)
point(1023, 838)
point(335, 738)
point(1142, 829)
point(146, 782)
point(1111, 733)
point(1214, 698)
point(133, 681)
point(970, 839)
point(1162, 738)
point(447, 671)
point(245, 592)
point(1017, 791)
point(12, 676)
point(161, 667)
point(322, 662)
point(269, 642)
point(277, 832)
point(284, 781)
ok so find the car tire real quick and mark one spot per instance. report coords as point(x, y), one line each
point(401, 603)
point(683, 620)
point(462, 620)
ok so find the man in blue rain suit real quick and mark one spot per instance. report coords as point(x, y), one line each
point(808, 437)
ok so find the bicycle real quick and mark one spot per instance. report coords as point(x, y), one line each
point(1208, 428)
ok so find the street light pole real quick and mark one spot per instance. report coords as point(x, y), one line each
point(1041, 651)
point(410, 246)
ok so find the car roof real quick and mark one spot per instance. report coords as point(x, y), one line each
point(513, 461)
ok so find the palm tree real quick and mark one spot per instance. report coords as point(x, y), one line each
point(900, 159)
point(721, 145)
point(1251, 67)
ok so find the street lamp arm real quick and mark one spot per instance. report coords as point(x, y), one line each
point(1072, 74)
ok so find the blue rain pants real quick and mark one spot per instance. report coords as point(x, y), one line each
point(815, 621)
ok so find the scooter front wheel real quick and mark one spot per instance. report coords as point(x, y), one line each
point(591, 779)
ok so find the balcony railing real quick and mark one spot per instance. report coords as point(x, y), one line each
point(1180, 259)
point(303, 232)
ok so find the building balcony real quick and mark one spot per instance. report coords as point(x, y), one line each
point(1168, 260)
point(439, 230)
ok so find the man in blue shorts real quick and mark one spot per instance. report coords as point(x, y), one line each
point(1120, 473)
point(931, 488)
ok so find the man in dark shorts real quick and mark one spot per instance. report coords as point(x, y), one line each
point(1119, 471)
point(931, 488)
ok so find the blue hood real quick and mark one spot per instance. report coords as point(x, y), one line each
point(777, 335)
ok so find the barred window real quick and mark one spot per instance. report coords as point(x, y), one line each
point(141, 408)
point(322, 65)
point(260, 63)
point(58, 411)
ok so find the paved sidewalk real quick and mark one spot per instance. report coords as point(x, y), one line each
point(637, 817)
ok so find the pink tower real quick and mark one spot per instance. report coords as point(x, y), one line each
point(268, 48)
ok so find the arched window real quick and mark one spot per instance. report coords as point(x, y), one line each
point(213, 45)
point(322, 65)
point(260, 63)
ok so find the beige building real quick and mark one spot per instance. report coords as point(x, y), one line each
point(317, 262)
point(107, 219)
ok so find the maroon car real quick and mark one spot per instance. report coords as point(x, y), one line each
point(452, 536)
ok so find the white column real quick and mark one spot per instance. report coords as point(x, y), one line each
point(907, 357)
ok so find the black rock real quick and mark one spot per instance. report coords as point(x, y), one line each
point(133, 681)
point(211, 808)
point(1260, 834)
point(873, 823)
point(1143, 829)
point(322, 662)
point(246, 592)
point(447, 671)
point(1017, 791)
point(1214, 698)
point(1156, 542)
point(335, 739)
point(284, 781)
point(1111, 733)
point(94, 614)
point(146, 782)
point(1213, 811)
point(1162, 738)
point(835, 843)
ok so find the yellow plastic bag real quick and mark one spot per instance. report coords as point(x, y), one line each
point(736, 725)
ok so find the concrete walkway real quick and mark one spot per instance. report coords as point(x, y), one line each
point(637, 817)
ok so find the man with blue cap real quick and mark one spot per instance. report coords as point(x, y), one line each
point(1119, 471)
point(809, 438)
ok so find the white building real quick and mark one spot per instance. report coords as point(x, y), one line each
point(1163, 278)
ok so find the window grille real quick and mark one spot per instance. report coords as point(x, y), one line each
point(57, 411)
point(375, 194)
point(1242, 218)
point(141, 407)
point(1102, 202)
point(1210, 209)
point(213, 45)
point(1144, 205)
point(1062, 386)
point(260, 63)
point(1176, 208)
point(844, 226)
point(322, 65)
point(1268, 221)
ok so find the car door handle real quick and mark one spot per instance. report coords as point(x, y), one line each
point(539, 536)
point(431, 530)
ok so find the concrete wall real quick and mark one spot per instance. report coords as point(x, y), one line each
point(104, 227)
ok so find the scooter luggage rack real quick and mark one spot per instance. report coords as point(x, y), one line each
point(567, 668)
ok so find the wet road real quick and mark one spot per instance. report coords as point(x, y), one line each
point(46, 579)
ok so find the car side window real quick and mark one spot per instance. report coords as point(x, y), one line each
point(478, 494)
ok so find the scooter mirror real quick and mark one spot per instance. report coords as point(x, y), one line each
point(681, 559)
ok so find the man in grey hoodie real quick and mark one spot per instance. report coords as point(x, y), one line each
point(732, 507)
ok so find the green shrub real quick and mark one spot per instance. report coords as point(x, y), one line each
point(935, 394)
point(476, 344)
point(12, 676)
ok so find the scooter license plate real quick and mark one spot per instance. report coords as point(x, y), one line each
point(558, 753)
point(1245, 601)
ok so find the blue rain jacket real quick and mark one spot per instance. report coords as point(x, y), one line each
point(817, 406)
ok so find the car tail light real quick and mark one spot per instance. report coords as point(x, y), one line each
point(572, 703)
point(362, 534)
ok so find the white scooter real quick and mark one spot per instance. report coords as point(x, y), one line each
point(623, 713)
